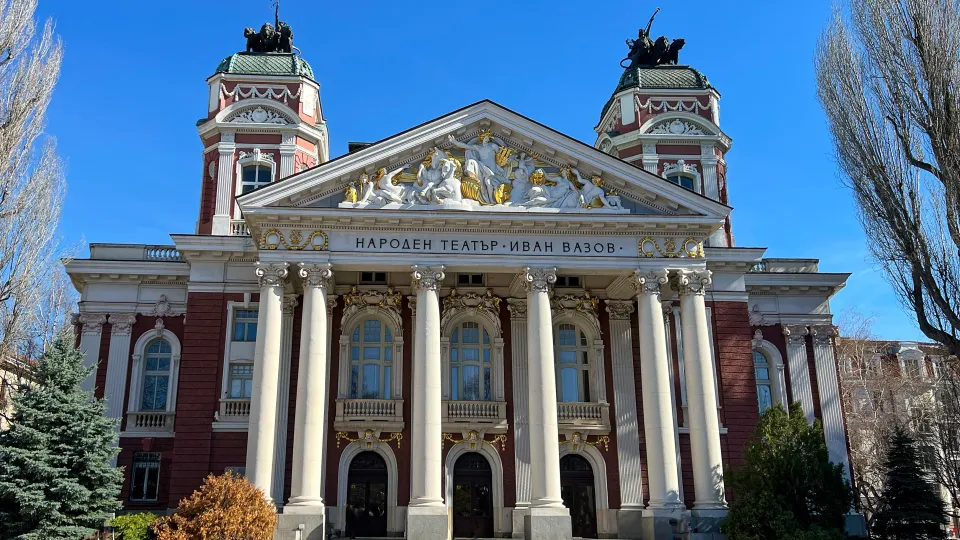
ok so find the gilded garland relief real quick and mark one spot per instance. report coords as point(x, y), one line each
point(484, 172)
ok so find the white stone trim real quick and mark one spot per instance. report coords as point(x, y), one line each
point(680, 361)
point(90, 332)
point(521, 400)
point(348, 323)
point(232, 307)
point(386, 452)
point(709, 128)
point(625, 401)
point(778, 381)
point(489, 322)
point(606, 521)
point(118, 361)
point(136, 376)
point(496, 468)
point(283, 399)
point(257, 157)
point(829, 387)
point(591, 327)
point(800, 387)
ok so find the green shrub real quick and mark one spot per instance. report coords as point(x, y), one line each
point(134, 526)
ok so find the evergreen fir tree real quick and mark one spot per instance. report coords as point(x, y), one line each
point(911, 507)
point(787, 489)
point(56, 480)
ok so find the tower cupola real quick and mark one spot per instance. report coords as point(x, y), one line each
point(264, 123)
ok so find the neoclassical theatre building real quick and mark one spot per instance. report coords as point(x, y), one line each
point(476, 327)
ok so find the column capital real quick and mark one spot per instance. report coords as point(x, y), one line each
point(692, 281)
point(427, 277)
point(517, 308)
point(620, 310)
point(795, 333)
point(650, 281)
point(122, 323)
point(271, 274)
point(539, 279)
point(289, 304)
point(315, 275)
point(92, 322)
point(823, 333)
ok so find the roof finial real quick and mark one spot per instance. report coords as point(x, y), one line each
point(646, 52)
point(277, 37)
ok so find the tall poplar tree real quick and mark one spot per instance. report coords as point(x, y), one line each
point(56, 479)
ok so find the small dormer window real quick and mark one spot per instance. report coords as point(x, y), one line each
point(683, 174)
point(683, 181)
point(254, 176)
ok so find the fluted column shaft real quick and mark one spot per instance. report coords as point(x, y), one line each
point(542, 391)
point(658, 423)
point(800, 386)
point(701, 392)
point(266, 375)
point(306, 489)
point(426, 447)
point(91, 327)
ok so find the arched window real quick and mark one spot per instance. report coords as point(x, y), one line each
point(371, 361)
point(761, 370)
point(255, 175)
point(470, 365)
point(156, 376)
point(572, 364)
point(683, 181)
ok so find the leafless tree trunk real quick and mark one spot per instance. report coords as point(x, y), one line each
point(32, 291)
point(889, 81)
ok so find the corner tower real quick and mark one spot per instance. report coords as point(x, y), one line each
point(264, 123)
point(665, 118)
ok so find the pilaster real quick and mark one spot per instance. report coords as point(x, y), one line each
point(800, 387)
point(651, 161)
point(118, 360)
point(221, 214)
point(91, 328)
point(288, 151)
point(829, 387)
point(521, 422)
point(283, 398)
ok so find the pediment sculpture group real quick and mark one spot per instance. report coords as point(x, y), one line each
point(490, 174)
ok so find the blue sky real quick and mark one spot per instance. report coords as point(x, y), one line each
point(132, 88)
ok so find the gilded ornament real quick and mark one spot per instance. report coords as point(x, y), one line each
point(503, 156)
point(502, 193)
point(273, 238)
point(475, 440)
point(539, 178)
point(578, 440)
point(689, 247)
point(350, 194)
point(368, 438)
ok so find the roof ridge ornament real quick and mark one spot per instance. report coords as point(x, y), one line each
point(272, 38)
point(646, 52)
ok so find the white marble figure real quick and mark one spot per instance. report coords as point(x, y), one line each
point(565, 193)
point(592, 191)
point(449, 187)
point(481, 163)
point(384, 187)
point(521, 181)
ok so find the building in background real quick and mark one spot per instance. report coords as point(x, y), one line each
point(479, 325)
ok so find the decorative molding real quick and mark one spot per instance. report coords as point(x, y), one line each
point(676, 127)
point(517, 308)
point(823, 334)
point(587, 303)
point(388, 301)
point(427, 277)
point(163, 308)
point(289, 304)
point(650, 282)
point(475, 440)
point(795, 334)
point(473, 304)
point(92, 322)
point(259, 115)
point(316, 276)
point(271, 274)
point(680, 166)
point(294, 240)
point(671, 248)
point(368, 439)
point(244, 91)
point(256, 156)
point(331, 305)
point(620, 310)
point(759, 319)
point(685, 105)
point(539, 279)
point(692, 281)
point(577, 441)
point(121, 324)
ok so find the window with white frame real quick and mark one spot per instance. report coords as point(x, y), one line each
point(241, 381)
point(371, 360)
point(572, 364)
point(761, 370)
point(156, 376)
point(245, 325)
point(470, 367)
point(683, 181)
point(145, 476)
point(255, 175)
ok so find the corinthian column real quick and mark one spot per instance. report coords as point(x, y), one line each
point(800, 387)
point(701, 393)
point(306, 490)
point(266, 376)
point(91, 326)
point(548, 518)
point(427, 515)
point(829, 386)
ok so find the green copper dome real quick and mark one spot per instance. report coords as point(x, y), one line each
point(662, 77)
point(280, 64)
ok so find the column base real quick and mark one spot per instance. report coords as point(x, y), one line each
point(300, 526)
point(547, 523)
point(304, 506)
point(664, 523)
point(630, 523)
point(519, 515)
point(428, 523)
point(706, 522)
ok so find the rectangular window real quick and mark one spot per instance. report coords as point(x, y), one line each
point(241, 381)
point(373, 278)
point(245, 325)
point(465, 280)
point(568, 281)
point(145, 476)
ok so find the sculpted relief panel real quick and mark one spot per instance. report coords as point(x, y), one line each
point(482, 173)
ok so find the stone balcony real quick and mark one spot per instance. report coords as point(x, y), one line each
point(149, 423)
point(587, 418)
point(363, 414)
point(481, 416)
point(238, 227)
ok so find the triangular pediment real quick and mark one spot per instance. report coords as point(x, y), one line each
point(487, 158)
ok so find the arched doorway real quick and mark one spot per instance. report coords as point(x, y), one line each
point(577, 490)
point(472, 497)
point(367, 496)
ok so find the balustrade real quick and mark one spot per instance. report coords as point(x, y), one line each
point(360, 414)
point(592, 417)
point(235, 407)
point(161, 253)
point(150, 421)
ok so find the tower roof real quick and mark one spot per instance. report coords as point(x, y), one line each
point(661, 77)
point(281, 64)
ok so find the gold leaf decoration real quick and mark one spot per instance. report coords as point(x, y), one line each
point(274, 238)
